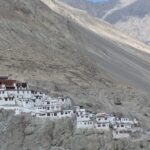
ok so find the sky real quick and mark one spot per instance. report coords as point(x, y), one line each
point(97, 1)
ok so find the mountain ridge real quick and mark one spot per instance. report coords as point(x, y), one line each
point(97, 22)
point(130, 17)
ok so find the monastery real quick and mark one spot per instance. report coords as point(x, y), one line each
point(17, 96)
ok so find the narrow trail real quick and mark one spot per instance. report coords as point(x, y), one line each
point(123, 3)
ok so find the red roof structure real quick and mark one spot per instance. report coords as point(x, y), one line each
point(8, 83)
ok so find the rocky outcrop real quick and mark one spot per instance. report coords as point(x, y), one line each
point(28, 133)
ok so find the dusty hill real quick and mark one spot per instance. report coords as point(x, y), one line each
point(56, 49)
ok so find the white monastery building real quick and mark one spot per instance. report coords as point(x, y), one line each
point(16, 95)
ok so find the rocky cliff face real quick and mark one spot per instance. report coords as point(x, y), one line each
point(54, 52)
point(26, 133)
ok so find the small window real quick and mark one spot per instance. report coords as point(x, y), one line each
point(66, 113)
point(55, 114)
point(48, 114)
point(122, 125)
point(105, 118)
point(103, 125)
point(47, 102)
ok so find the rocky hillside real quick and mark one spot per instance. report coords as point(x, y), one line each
point(26, 133)
point(51, 49)
point(130, 16)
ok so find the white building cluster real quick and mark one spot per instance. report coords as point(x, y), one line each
point(16, 96)
point(119, 126)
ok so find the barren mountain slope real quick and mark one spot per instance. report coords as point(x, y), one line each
point(130, 16)
point(54, 51)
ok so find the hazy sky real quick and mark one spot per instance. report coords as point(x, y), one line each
point(96, 1)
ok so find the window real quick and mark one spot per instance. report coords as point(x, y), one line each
point(48, 114)
point(103, 125)
point(105, 118)
point(61, 113)
point(55, 114)
point(66, 113)
point(47, 102)
point(47, 108)
point(42, 114)
point(122, 125)
point(99, 125)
